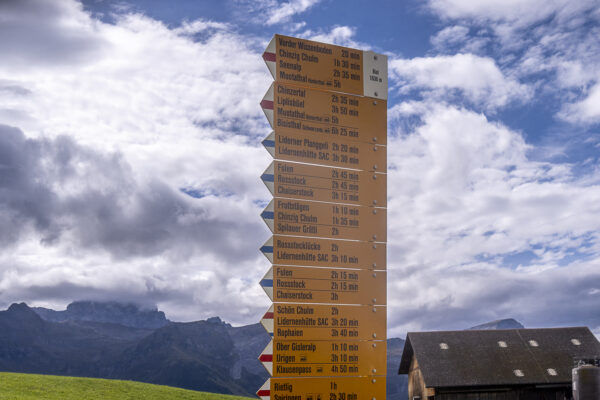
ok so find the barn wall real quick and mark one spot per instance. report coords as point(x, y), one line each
point(416, 384)
point(479, 396)
point(516, 394)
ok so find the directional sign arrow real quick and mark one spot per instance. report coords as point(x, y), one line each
point(268, 178)
point(268, 215)
point(270, 57)
point(267, 249)
point(324, 285)
point(359, 388)
point(324, 183)
point(267, 320)
point(327, 220)
point(267, 283)
point(269, 143)
point(267, 104)
point(266, 357)
point(327, 67)
point(333, 151)
point(324, 358)
point(265, 390)
point(319, 252)
point(295, 109)
point(325, 322)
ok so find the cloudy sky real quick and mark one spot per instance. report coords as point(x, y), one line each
point(130, 154)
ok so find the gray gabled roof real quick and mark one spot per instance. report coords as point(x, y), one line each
point(491, 357)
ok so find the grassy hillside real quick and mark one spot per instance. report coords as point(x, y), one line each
point(46, 387)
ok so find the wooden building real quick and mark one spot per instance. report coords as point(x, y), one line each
point(511, 364)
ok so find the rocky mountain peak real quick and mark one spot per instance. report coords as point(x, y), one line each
point(508, 323)
point(126, 314)
point(18, 308)
point(19, 314)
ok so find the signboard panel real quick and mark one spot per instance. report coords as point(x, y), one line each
point(316, 219)
point(318, 252)
point(295, 109)
point(313, 182)
point(358, 388)
point(324, 358)
point(325, 285)
point(327, 66)
point(325, 322)
point(325, 150)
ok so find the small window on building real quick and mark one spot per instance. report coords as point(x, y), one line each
point(416, 397)
point(576, 342)
point(552, 371)
point(502, 343)
point(533, 343)
point(518, 372)
point(444, 346)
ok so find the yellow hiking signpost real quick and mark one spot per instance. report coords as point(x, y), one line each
point(328, 111)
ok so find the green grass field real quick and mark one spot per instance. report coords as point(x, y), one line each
point(46, 387)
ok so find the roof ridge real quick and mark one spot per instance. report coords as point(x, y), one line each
point(507, 329)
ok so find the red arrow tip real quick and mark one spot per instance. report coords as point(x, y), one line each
point(267, 104)
point(269, 56)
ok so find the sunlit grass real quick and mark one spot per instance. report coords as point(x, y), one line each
point(47, 387)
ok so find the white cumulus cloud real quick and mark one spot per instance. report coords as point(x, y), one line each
point(479, 79)
point(274, 12)
point(585, 111)
point(477, 230)
point(147, 110)
point(282, 12)
point(519, 12)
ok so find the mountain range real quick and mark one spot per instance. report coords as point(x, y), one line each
point(124, 341)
